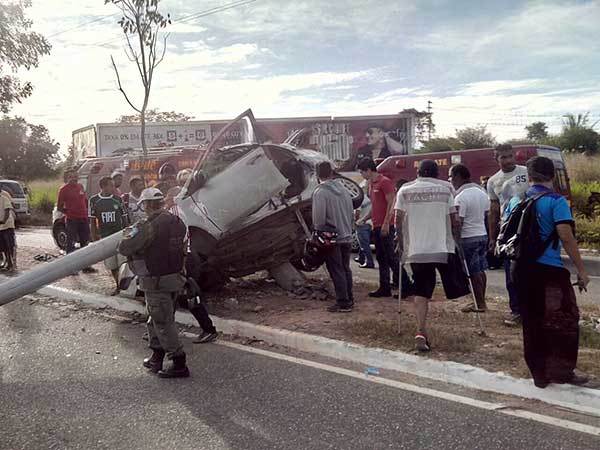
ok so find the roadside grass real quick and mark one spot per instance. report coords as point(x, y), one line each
point(583, 169)
point(454, 337)
point(43, 193)
point(589, 338)
point(588, 231)
point(42, 197)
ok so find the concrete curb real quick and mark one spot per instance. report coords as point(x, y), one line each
point(591, 264)
point(573, 397)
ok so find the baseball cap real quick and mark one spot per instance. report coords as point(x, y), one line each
point(151, 194)
point(116, 172)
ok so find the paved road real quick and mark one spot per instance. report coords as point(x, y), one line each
point(72, 379)
point(42, 239)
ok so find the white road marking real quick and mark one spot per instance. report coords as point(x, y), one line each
point(497, 407)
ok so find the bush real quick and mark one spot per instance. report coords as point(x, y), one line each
point(580, 194)
point(588, 231)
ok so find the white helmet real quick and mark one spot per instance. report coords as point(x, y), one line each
point(151, 193)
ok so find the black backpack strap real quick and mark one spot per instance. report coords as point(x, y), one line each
point(553, 237)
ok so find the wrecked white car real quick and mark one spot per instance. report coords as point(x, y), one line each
point(248, 206)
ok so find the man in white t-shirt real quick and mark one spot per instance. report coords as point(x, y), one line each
point(425, 217)
point(131, 200)
point(472, 205)
point(510, 181)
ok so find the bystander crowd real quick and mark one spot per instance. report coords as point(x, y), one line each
point(382, 194)
point(547, 299)
point(8, 243)
point(472, 205)
point(108, 216)
point(332, 213)
point(73, 203)
point(509, 182)
point(426, 218)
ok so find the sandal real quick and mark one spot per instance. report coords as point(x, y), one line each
point(421, 343)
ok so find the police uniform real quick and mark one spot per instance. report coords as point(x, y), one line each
point(155, 249)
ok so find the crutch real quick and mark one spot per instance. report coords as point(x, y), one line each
point(461, 256)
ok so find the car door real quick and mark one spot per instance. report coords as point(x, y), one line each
point(234, 193)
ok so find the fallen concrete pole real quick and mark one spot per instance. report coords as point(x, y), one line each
point(38, 277)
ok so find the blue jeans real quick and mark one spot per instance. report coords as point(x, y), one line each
point(513, 300)
point(386, 258)
point(363, 233)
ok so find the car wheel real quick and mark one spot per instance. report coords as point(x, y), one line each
point(355, 190)
point(59, 233)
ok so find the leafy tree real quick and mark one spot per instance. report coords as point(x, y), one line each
point(537, 132)
point(141, 23)
point(476, 137)
point(577, 121)
point(26, 151)
point(441, 144)
point(19, 49)
point(154, 115)
point(578, 134)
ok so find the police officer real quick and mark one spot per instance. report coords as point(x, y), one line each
point(155, 249)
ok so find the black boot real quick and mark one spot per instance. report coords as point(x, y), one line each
point(176, 370)
point(155, 362)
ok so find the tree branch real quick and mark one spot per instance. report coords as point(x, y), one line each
point(120, 86)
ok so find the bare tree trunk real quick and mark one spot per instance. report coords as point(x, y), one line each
point(143, 131)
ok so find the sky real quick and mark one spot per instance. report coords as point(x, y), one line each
point(502, 63)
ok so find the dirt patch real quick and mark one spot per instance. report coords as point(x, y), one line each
point(374, 322)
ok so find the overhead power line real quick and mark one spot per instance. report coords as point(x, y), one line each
point(81, 25)
point(190, 17)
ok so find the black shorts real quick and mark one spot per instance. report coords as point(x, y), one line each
point(454, 279)
point(7, 240)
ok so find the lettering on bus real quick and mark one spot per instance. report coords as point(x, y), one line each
point(439, 162)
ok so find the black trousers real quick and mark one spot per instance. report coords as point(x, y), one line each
point(199, 312)
point(78, 230)
point(386, 258)
point(337, 262)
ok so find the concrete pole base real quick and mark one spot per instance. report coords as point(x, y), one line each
point(287, 276)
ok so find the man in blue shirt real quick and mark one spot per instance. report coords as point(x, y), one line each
point(547, 299)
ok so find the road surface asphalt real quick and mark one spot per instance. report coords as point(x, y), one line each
point(72, 378)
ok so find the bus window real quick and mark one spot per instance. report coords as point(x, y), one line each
point(560, 181)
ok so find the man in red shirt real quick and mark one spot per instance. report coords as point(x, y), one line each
point(73, 203)
point(382, 193)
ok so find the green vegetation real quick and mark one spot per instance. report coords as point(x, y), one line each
point(584, 172)
point(42, 195)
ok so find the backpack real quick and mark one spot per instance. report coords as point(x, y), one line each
point(520, 238)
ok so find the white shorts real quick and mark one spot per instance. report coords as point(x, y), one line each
point(114, 262)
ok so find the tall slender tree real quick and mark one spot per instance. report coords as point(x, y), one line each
point(141, 23)
point(20, 48)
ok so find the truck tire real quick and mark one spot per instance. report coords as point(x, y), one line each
point(59, 233)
